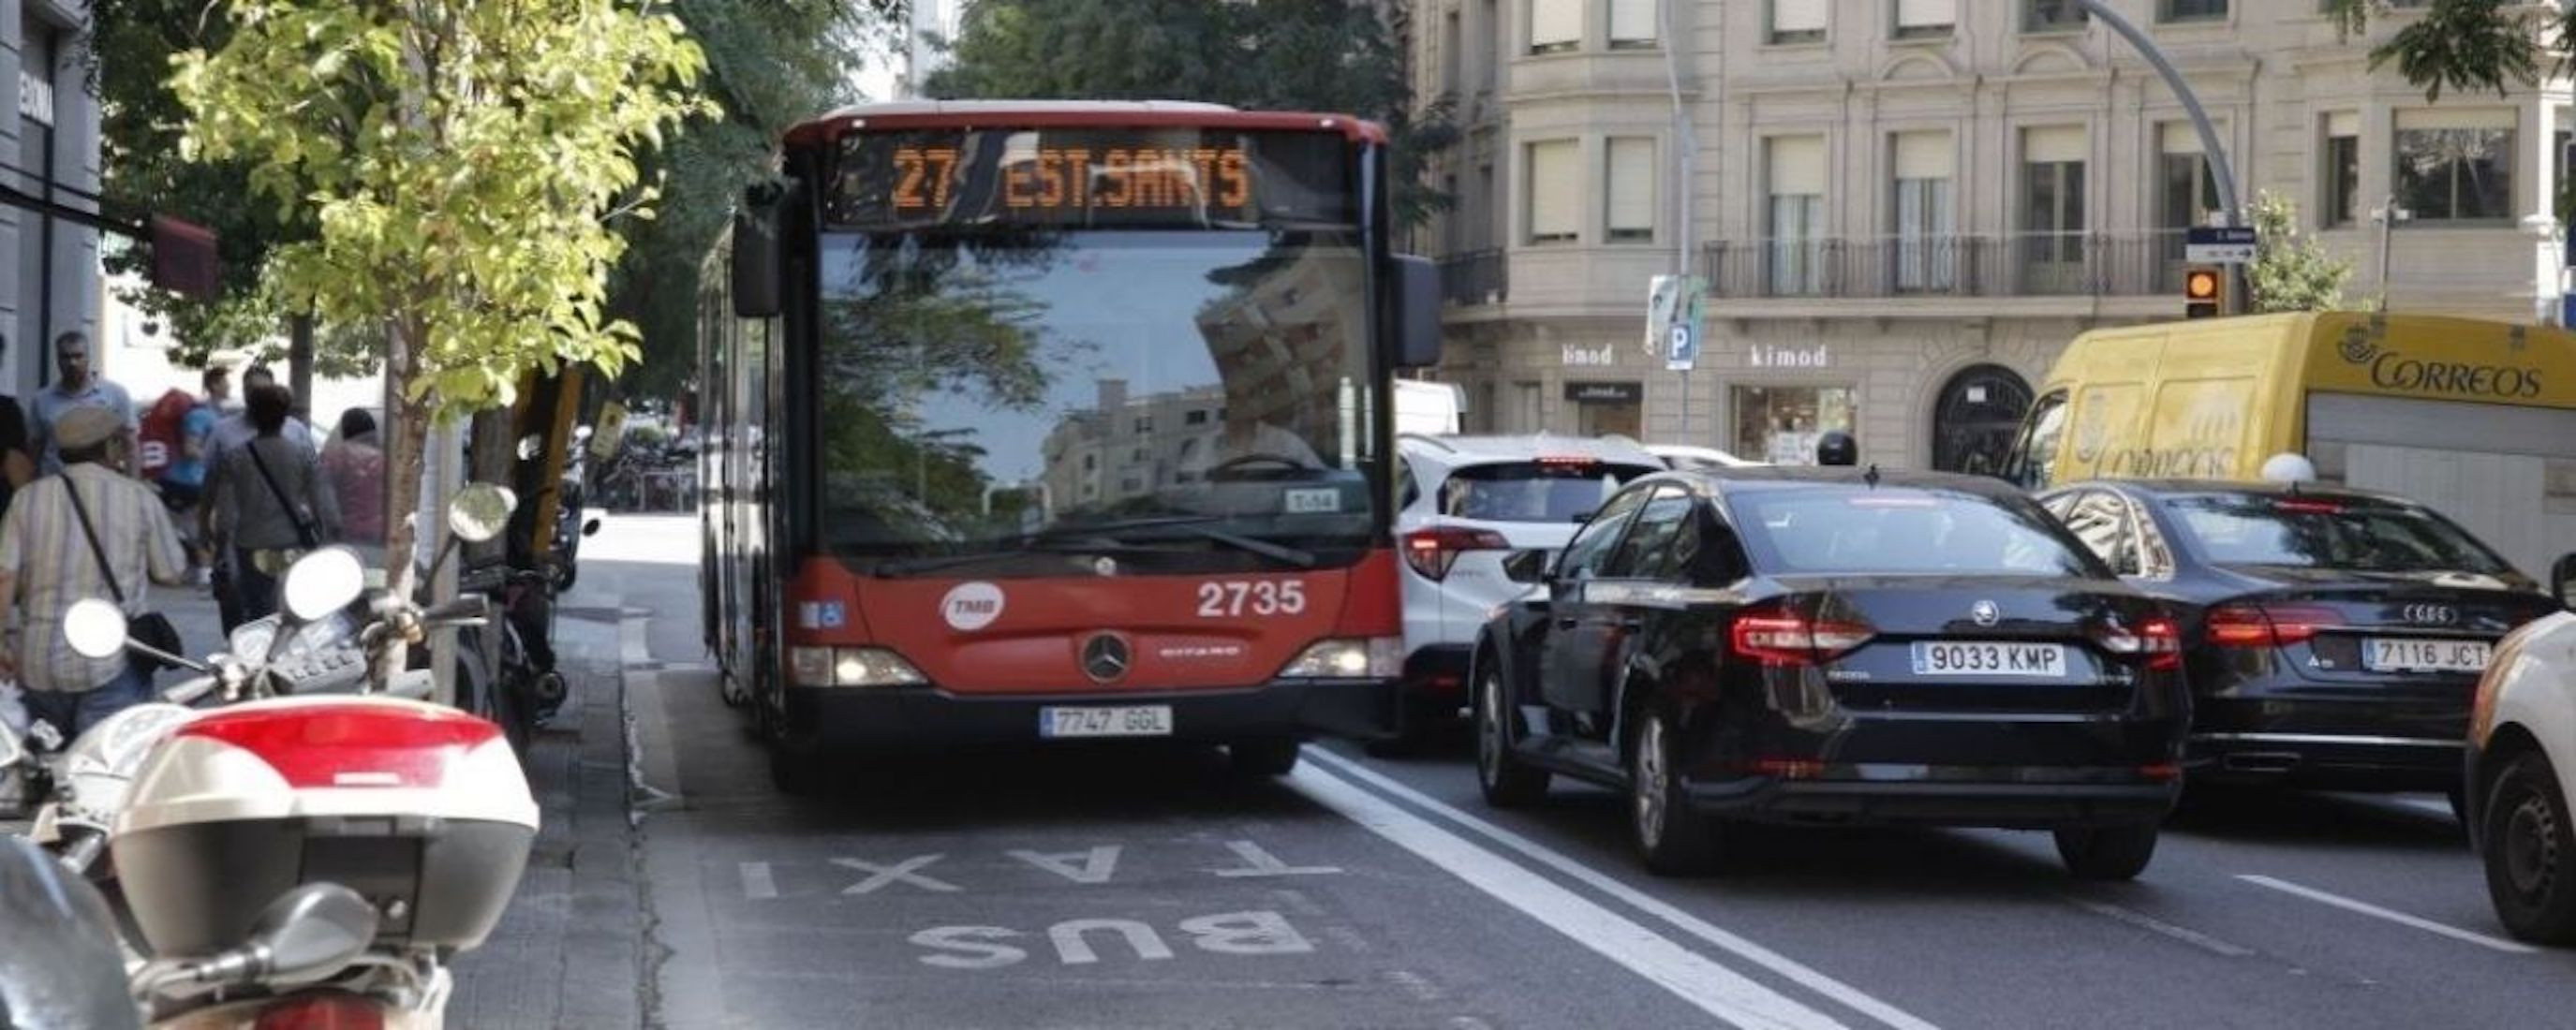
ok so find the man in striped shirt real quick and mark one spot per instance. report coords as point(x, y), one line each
point(46, 563)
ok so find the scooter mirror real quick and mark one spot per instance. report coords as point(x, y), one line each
point(95, 628)
point(11, 752)
point(590, 528)
point(323, 582)
point(478, 512)
point(530, 446)
point(310, 932)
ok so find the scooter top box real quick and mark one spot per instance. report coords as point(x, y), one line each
point(420, 808)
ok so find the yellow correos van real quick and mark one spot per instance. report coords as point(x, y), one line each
point(2476, 418)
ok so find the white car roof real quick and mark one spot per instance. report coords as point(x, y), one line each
point(1457, 451)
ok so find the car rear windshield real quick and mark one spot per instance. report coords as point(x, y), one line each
point(1533, 491)
point(1902, 531)
point(2366, 536)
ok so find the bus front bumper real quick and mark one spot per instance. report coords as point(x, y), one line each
point(928, 718)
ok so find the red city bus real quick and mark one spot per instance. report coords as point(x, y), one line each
point(1028, 421)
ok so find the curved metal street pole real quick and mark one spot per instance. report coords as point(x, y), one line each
point(2231, 210)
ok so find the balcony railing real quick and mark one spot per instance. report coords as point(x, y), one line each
point(1475, 277)
point(2035, 264)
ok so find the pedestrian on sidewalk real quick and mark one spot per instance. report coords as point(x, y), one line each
point(17, 460)
point(356, 469)
point(231, 431)
point(271, 502)
point(48, 561)
point(76, 386)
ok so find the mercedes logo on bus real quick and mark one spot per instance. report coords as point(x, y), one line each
point(1104, 658)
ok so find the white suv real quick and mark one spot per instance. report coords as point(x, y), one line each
point(1467, 502)
point(2522, 773)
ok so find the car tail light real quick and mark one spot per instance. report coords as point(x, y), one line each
point(2247, 625)
point(2158, 639)
point(1778, 635)
point(356, 745)
point(332, 1011)
point(1432, 551)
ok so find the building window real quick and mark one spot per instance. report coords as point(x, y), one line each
point(2052, 205)
point(2455, 166)
point(1926, 246)
point(1556, 26)
point(1453, 54)
point(1144, 423)
point(2186, 190)
point(1553, 211)
point(2191, 10)
point(1780, 424)
point(1140, 456)
point(1633, 24)
point(1090, 462)
point(1925, 19)
point(2052, 16)
point(1489, 47)
point(1798, 21)
point(1195, 417)
point(2341, 204)
point(1796, 214)
point(1631, 196)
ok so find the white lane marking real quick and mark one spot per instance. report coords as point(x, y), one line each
point(1796, 972)
point(1258, 862)
point(1712, 988)
point(2154, 925)
point(881, 875)
point(757, 884)
point(2400, 918)
point(1098, 864)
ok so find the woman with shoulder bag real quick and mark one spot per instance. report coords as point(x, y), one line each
point(272, 501)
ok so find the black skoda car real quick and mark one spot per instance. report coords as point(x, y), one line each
point(1836, 646)
point(2335, 637)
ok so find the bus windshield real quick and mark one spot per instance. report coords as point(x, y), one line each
point(1192, 398)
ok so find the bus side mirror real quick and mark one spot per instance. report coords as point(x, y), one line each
point(2562, 580)
point(756, 223)
point(1417, 305)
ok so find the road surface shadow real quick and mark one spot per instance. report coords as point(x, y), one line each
point(2313, 819)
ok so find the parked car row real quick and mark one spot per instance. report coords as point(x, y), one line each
point(1733, 644)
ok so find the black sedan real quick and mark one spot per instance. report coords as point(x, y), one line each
point(1831, 646)
point(2334, 637)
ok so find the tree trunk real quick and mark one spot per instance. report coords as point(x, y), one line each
point(299, 362)
point(405, 432)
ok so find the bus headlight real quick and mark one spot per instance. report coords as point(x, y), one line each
point(850, 667)
point(1348, 658)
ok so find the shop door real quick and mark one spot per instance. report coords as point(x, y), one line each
point(1974, 422)
point(1607, 418)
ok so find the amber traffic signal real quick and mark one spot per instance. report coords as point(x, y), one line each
point(2204, 292)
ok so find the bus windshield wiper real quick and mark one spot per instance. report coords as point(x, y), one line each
point(1096, 539)
point(1195, 525)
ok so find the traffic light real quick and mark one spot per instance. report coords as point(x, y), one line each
point(2204, 291)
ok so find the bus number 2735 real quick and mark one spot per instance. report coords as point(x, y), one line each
point(1223, 600)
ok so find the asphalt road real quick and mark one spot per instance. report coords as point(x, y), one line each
point(1143, 887)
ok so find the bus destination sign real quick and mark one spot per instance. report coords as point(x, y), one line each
point(1079, 177)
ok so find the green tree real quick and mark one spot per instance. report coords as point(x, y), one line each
point(771, 64)
point(2291, 271)
point(1323, 55)
point(461, 161)
point(2468, 45)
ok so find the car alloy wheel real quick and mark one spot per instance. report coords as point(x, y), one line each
point(1671, 837)
point(1506, 781)
point(2530, 853)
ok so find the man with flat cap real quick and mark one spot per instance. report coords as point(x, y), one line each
point(64, 535)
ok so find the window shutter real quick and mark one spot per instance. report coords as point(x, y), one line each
point(1797, 165)
point(1925, 155)
point(1632, 183)
point(1926, 13)
point(1553, 171)
point(2343, 123)
point(2053, 144)
point(1555, 22)
point(1797, 15)
point(1633, 21)
point(2452, 118)
point(2179, 138)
